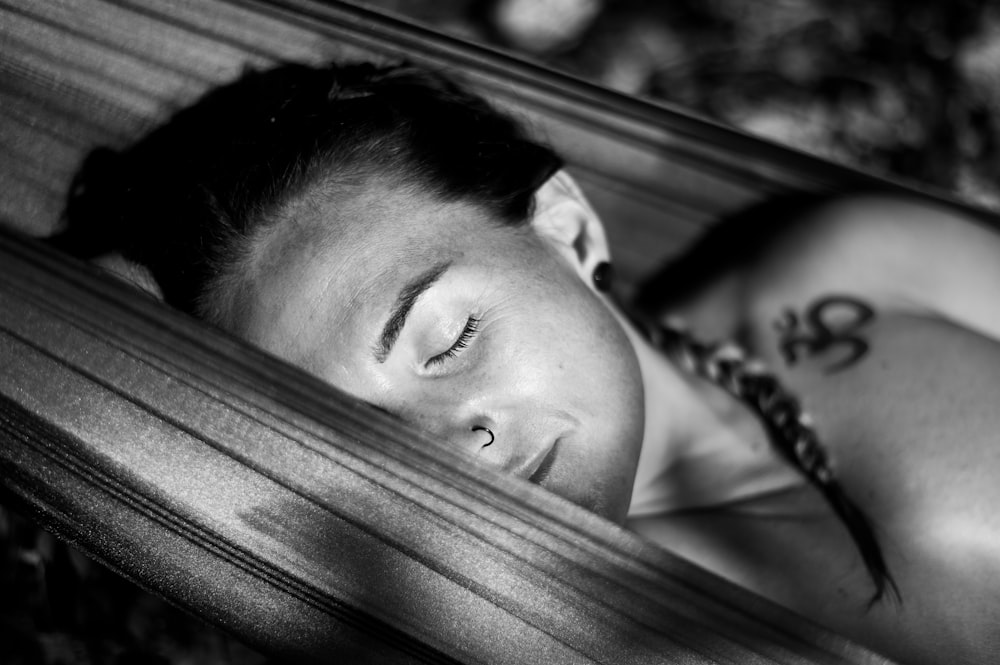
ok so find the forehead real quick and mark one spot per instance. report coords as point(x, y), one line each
point(329, 269)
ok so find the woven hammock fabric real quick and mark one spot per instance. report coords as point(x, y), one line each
point(270, 504)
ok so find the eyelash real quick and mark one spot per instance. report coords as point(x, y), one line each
point(470, 330)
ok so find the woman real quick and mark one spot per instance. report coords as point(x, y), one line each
point(394, 235)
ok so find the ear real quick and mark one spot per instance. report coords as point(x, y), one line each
point(565, 220)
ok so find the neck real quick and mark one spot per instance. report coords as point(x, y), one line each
point(702, 447)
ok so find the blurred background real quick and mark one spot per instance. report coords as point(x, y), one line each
point(904, 88)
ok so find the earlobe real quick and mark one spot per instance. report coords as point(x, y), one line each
point(564, 218)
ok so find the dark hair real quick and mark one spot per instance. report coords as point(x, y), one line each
point(188, 199)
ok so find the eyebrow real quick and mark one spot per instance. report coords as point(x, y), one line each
point(401, 308)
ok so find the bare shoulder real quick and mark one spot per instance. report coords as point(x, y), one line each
point(909, 418)
point(901, 255)
point(882, 315)
point(911, 425)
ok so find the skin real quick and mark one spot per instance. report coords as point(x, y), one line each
point(546, 364)
point(895, 352)
point(559, 377)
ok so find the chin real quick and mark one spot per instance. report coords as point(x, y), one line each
point(617, 513)
point(611, 506)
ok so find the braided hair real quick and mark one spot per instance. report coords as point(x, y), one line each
point(788, 427)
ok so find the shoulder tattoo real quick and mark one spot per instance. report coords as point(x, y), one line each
point(832, 322)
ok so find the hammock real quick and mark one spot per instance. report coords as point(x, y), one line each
point(261, 499)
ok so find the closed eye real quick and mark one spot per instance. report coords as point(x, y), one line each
point(470, 330)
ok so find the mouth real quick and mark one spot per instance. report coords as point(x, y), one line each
point(538, 469)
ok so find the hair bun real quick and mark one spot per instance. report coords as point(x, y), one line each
point(95, 207)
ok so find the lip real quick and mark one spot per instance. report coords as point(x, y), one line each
point(537, 468)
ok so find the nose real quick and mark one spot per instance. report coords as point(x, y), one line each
point(497, 439)
point(513, 447)
point(478, 436)
point(475, 433)
point(510, 435)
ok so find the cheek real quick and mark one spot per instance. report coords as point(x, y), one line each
point(585, 360)
point(610, 381)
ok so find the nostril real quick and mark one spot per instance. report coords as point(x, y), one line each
point(488, 431)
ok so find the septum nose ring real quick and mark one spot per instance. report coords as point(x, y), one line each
point(479, 428)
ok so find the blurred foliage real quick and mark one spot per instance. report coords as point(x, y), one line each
point(905, 88)
point(908, 88)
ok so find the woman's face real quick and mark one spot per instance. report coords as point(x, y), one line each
point(454, 322)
